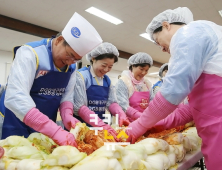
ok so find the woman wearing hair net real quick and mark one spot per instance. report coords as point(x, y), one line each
point(162, 73)
point(93, 89)
point(132, 89)
point(195, 69)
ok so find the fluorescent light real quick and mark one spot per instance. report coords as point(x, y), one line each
point(154, 73)
point(145, 35)
point(103, 15)
point(220, 12)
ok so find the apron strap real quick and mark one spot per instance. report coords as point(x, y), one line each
point(49, 47)
point(91, 77)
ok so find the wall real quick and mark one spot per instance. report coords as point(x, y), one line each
point(5, 64)
point(153, 79)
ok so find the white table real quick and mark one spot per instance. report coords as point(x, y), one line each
point(190, 160)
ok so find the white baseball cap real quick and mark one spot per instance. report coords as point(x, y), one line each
point(81, 35)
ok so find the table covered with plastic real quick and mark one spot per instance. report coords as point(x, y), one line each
point(190, 160)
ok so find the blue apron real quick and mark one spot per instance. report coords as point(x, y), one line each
point(97, 96)
point(158, 84)
point(46, 91)
point(2, 108)
point(2, 111)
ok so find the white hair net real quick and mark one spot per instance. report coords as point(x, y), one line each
point(162, 68)
point(180, 14)
point(104, 48)
point(140, 58)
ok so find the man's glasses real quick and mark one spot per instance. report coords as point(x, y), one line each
point(71, 57)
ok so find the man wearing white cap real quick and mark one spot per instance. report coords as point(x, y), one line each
point(42, 80)
point(195, 69)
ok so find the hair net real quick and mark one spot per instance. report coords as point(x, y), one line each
point(180, 14)
point(104, 48)
point(140, 58)
point(162, 68)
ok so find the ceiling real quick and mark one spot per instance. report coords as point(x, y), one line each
point(136, 14)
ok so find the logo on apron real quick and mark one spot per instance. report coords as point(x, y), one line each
point(41, 73)
point(144, 103)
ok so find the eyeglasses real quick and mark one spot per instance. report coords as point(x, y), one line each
point(71, 57)
point(155, 42)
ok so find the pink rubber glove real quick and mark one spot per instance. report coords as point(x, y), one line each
point(132, 113)
point(158, 109)
point(2, 152)
point(180, 116)
point(41, 123)
point(66, 112)
point(84, 113)
point(115, 109)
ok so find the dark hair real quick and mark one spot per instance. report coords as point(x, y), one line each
point(136, 65)
point(103, 56)
point(64, 42)
point(160, 28)
point(165, 68)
